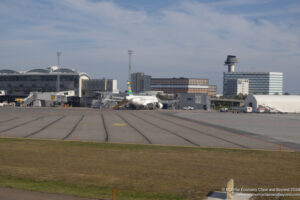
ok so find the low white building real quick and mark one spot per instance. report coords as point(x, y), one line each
point(274, 103)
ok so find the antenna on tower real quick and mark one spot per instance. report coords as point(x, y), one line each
point(58, 55)
point(129, 69)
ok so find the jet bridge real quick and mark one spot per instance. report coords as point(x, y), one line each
point(42, 99)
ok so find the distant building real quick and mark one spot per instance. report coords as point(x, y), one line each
point(54, 80)
point(197, 101)
point(274, 103)
point(90, 87)
point(269, 83)
point(237, 87)
point(97, 89)
point(183, 85)
point(20, 84)
point(140, 82)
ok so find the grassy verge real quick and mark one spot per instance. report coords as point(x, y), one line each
point(139, 172)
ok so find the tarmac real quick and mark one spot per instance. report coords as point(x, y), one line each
point(179, 128)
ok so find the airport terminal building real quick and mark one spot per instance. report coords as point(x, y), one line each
point(14, 84)
point(53, 79)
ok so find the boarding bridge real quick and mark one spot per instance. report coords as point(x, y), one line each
point(49, 98)
point(28, 100)
point(107, 100)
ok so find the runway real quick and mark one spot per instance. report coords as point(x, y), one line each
point(194, 128)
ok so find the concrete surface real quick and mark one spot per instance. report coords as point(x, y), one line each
point(184, 128)
point(281, 129)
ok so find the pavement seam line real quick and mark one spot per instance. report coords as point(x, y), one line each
point(74, 127)
point(187, 140)
point(147, 139)
point(203, 133)
point(104, 127)
point(22, 124)
point(43, 128)
point(245, 134)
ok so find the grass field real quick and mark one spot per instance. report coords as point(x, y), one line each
point(139, 172)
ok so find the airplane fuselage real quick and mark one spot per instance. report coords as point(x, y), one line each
point(144, 101)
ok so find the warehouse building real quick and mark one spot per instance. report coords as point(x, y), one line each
point(274, 103)
point(196, 101)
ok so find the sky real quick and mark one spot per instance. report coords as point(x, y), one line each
point(170, 38)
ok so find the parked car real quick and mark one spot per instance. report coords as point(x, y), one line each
point(223, 109)
point(188, 108)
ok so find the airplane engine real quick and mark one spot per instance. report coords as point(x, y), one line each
point(160, 105)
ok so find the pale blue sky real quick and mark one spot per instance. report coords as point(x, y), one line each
point(170, 38)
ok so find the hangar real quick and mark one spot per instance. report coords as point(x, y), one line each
point(274, 103)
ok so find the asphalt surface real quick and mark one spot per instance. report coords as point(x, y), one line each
point(182, 128)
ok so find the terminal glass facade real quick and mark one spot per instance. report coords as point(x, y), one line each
point(269, 83)
point(20, 84)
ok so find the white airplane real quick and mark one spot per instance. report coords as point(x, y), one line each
point(142, 102)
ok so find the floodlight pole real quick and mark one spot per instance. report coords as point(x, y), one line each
point(58, 55)
point(58, 76)
point(129, 69)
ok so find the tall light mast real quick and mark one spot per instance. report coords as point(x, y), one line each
point(58, 76)
point(58, 56)
point(129, 68)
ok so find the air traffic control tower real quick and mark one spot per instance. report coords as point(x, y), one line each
point(267, 83)
point(230, 62)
